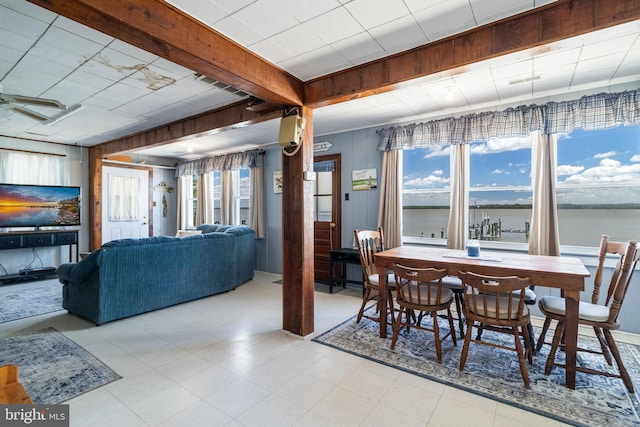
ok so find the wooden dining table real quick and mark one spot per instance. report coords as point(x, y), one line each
point(565, 273)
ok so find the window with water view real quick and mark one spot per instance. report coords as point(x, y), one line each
point(598, 188)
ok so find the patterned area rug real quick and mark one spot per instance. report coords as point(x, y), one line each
point(19, 301)
point(53, 368)
point(494, 373)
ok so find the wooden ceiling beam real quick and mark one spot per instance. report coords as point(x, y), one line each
point(200, 125)
point(557, 21)
point(157, 27)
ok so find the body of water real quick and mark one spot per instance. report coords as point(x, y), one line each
point(578, 227)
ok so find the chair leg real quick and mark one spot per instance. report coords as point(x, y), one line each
point(603, 345)
point(545, 328)
point(451, 328)
point(465, 347)
point(532, 338)
point(521, 356)
point(436, 333)
point(396, 326)
point(458, 300)
point(557, 336)
point(616, 355)
point(365, 299)
point(528, 342)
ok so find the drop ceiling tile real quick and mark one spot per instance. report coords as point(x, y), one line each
point(359, 46)
point(265, 19)
point(232, 6)
point(593, 77)
point(554, 60)
point(178, 70)
point(628, 71)
point(417, 5)
point(314, 64)
point(513, 71)
point(486, 11)
point(399, 35)
point(340, 22)
point(17, 42)
point(81, 77)
point(64, 40)
point(606, 48)
point(304, 10)
point(371, 13)
point(288, 44)
point(19, 23)
point(204, 11)
point(132, 51)
point(28, 9)
point(83, 31)
point(60, 56)
point(445, 19)
point(238, 31)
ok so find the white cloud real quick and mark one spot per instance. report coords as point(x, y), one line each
point(438, 151)
point(635, 158)
point(609, 171)
point(500, 145)
point(497, 171)
point(605, 155)
point(431, 181)
point(438, 172)
point(569, 170)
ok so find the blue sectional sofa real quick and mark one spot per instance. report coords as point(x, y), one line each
point(131, 276)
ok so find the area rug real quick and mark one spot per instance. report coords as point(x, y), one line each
point(53, 368)
point(19, 302)
point(495, 373)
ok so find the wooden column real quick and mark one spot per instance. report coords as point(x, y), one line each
point(297, 236)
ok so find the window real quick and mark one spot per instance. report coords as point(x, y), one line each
point(598, 188)
point(599, 185)
point(500, 192)
point(192, 202)
point(425, 195)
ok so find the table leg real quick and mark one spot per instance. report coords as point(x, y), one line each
point(572, 299)
point(382, 297)
point(331, 278)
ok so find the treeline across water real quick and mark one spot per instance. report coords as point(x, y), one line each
point(522, 206)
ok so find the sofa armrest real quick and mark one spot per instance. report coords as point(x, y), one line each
point(80, 271)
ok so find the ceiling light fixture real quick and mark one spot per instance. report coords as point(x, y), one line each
point(525, 79)
point(450, 96)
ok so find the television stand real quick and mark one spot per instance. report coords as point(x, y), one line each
point(38, 239)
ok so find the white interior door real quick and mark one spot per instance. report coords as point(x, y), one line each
point(124, 212)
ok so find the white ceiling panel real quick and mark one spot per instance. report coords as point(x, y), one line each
point(124, 90)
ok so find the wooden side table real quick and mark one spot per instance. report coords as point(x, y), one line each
point(11, 391)
point(343, 256)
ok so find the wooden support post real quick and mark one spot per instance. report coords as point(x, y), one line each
point(297, 233)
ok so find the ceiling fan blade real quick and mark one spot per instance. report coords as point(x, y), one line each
point(41, 102)
point(30, 113)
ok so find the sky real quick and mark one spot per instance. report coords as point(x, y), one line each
point(586, 160)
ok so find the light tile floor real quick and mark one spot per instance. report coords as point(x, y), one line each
point(225, 361)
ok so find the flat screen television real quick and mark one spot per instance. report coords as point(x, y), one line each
point(39, 205)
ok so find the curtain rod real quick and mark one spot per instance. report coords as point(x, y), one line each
point(33, 152)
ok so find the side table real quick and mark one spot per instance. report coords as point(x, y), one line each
point(344, 256)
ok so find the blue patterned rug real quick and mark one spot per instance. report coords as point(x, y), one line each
point(494, 373)
point(53, 368)
point(22, 301)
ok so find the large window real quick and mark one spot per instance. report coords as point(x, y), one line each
point(599, 185)
point(598, 188)
point(500, 190)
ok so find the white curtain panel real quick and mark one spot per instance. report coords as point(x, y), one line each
point(256, 201)
point(390, 207)
point(18, 167)
point(227, 198)
point(124, 198)
point(544, 238)
point(184, 187)
point(204, 213)
point(459, 197)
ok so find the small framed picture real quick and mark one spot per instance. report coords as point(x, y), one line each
point(364, 179)
point(277, 181)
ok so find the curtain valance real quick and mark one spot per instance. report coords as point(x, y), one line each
point(226, 162)
point(590, 112)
